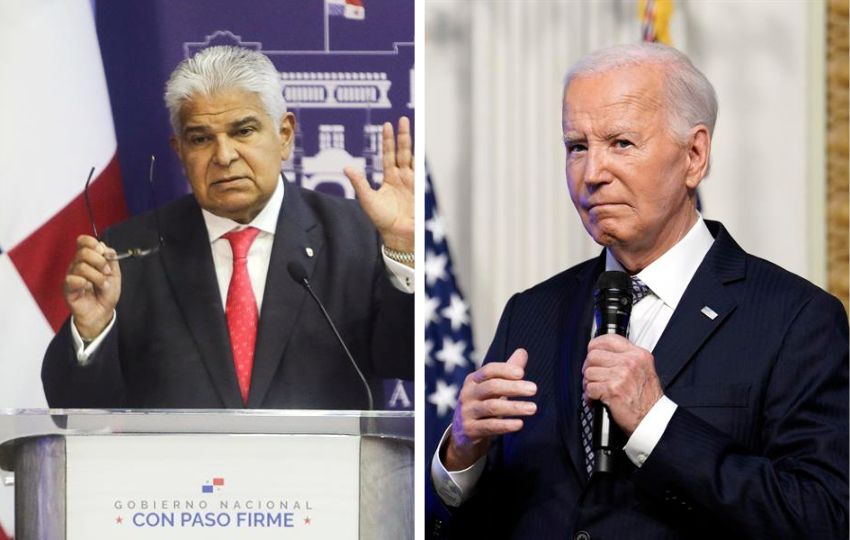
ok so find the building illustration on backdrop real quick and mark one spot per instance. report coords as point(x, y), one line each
point(340, 98)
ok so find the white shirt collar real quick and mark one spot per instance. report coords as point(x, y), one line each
point(266, 220)
point(668, 276)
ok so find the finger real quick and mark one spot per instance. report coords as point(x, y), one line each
point(595, 391)
point(75, 285)
point(490, 427)
point(519, 358)
point(359, 182)
point(114, 266)
point(501, 370)
point(91, 274)
point(498, 388)
point(598, 374)
point(405, 144)
point(388, 148)
point(609, 342)
point(93, 258)
point(87, 241)
point(601, 358)
point(491, 408)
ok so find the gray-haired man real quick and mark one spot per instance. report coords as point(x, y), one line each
point(731, 388)
point(214, 319)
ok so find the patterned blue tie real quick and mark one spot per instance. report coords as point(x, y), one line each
point(639, 291)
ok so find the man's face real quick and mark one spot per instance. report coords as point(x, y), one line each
point(629, 178)
point(231, 151)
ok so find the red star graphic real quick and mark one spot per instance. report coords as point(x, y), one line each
point(307, 521)
point(119, 520)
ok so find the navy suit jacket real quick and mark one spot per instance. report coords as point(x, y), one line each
point(170, 345)
point(758, 447)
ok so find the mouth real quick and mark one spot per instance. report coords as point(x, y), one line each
point(223, 182)
point(595, 205)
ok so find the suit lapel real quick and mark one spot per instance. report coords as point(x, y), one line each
point(573, 352)
point(297, 230)
point(703, 307)
point(189, 268)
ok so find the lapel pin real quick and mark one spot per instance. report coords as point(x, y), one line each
point(309, 251)
point(708, 312)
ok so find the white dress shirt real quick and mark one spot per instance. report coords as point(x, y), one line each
point(667, 278)
point(259, 256)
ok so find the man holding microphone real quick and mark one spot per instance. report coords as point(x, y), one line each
point(730, 389)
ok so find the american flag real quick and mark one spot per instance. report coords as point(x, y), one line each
point(448, 335)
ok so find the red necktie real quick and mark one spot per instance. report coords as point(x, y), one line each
point(241, 309)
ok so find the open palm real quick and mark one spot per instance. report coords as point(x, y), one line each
point(390, 207)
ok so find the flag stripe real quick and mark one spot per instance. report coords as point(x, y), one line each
point(43, 257)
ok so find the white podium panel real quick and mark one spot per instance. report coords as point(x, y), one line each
point(82, 474)
point(212, 487)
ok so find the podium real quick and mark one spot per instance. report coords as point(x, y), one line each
point(82, 474)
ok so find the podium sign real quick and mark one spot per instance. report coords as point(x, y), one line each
point(212, 487)
point(201, 474)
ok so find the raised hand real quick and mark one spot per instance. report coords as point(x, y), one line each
point(483, 405)
point(92, 286)
point(391, 207)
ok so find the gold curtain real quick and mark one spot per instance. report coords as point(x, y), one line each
point(837, 149)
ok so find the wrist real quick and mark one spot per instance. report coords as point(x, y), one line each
point(457, 458)
point(404, 257)
point(89, 331)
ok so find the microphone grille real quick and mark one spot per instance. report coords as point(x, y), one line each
point(297, 271)
point(613, 280)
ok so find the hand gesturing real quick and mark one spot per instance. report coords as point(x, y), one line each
point(390, 207)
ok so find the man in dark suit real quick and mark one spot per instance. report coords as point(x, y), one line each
point(731, 390)
point(214, 318)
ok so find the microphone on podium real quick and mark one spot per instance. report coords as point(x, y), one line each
point(299, 274)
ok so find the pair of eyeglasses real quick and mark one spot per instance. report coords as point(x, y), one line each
point(134, 252)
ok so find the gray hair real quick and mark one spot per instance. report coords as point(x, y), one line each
point(690, 94)
point(221, 68)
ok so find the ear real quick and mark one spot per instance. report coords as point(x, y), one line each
point(699, 149)
point(175, 144)
point(287, 135)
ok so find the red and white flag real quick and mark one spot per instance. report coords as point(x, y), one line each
point(57, 124)
point(350, 9)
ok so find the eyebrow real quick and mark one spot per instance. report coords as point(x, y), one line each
point(618, 132)
point(231, 127)
point(614, 133)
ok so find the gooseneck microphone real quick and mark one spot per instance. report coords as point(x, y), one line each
point(299, 274)
point(612, 302)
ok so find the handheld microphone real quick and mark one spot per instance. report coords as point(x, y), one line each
point(299, 274)
point(612, 301)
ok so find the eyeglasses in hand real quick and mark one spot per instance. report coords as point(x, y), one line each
point(134, 252)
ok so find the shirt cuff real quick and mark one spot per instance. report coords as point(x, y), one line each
point(83, 351)
point(647, 434)
point(401, 276)
point(454, 487)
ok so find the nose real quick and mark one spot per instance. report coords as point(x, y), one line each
point(225, 151)
point(596, 170)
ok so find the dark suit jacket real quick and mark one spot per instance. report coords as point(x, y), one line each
point(758, 447)
point(170, 346)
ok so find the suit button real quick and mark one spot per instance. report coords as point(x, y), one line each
point(582, 535)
